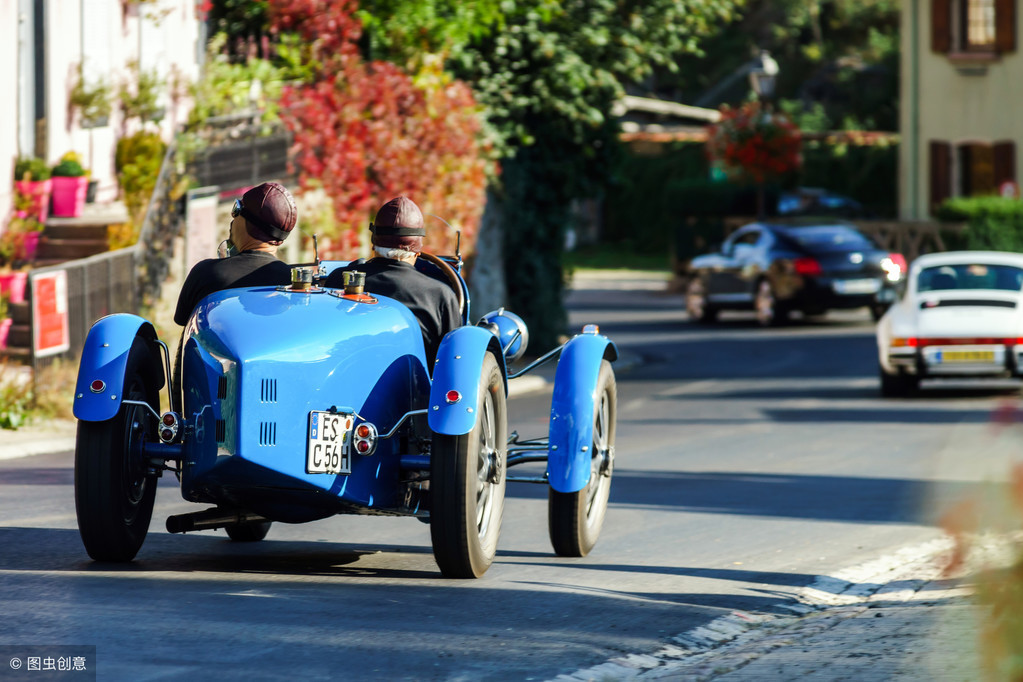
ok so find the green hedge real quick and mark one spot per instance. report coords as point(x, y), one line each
point(992, 223)
point(640, 208)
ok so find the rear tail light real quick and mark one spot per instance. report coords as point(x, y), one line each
point(806, 266)
point(894, 266)
point(365, 438)
point(170, 424)
point(912, 342)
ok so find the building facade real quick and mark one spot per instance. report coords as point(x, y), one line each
point(48, 45)
point(961, 97)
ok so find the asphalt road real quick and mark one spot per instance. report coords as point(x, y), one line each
point(749, 462)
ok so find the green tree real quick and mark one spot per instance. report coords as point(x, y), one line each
point(839, 61)
point(548, 81)
point(547, 74)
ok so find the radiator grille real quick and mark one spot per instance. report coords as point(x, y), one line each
point(222, 388)
point(268, 433)
point(268, 390)
point(221, 430)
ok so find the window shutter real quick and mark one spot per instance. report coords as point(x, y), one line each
point(1005, 162)
point(941, 25)
point(941, 172)
point(1005, 25)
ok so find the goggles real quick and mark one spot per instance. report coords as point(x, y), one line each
point(238, 209)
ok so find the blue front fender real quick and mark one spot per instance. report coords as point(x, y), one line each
point(459, 364)
point(572, 410)
point(105, 357)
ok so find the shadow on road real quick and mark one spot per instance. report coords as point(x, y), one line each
point(849, 499)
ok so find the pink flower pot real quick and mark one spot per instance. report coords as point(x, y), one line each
point(39, 191)
point(69, 196)
point(13, 284)
point(5, 329)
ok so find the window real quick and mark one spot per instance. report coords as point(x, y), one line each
point(978, 24)
point(969, 168)
point(970, 276)
point(978, 27)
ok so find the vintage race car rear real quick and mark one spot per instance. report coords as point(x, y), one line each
point(300, 402)
point(284, 382)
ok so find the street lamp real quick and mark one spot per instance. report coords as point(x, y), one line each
point(763, 74)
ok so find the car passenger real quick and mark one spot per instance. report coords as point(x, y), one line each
point(397, 239)
point(260, 222)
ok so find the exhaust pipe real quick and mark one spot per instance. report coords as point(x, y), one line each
point(210, 518)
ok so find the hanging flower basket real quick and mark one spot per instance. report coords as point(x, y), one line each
point(754, 144)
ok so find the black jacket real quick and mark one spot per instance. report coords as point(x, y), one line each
point(246, 269)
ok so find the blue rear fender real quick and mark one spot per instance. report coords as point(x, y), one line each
point(573, 406)
point(459, 365)
point(105, 357)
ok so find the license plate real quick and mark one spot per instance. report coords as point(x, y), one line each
point(947, 356)
point(328, 450)
point(857, 286)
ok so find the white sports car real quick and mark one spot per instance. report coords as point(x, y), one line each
point(961, 315)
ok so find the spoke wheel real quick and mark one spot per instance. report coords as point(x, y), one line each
point(696, 303)
point(574, 520)
point(766, 305)
point(467, 484)
point(114, 493)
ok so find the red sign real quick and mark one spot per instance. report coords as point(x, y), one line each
point(50, 329)
point(1009, 190)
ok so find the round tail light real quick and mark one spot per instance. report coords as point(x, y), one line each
point(365, 440)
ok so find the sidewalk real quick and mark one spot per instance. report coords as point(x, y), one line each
point(55, 435)
point(896, 618)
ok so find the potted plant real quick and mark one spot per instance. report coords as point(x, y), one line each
point(5, 321)
point(12, 252)
point(69, 187)
point(32, 187)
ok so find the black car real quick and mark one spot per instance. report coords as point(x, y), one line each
point(810, 265)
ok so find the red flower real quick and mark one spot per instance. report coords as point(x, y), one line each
point(754, 144)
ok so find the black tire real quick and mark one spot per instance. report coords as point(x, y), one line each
point(467, 484)
point(696, 303)
point(252, 531)
point(114, 494)
point(897, 385)
point(574, 520)
point(770, 313)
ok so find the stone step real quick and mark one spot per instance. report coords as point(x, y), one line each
point(20, 336)
point(96, 232)
point(20, 313)
point(21, 354)
point(68, 249)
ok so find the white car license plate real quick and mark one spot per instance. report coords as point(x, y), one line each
point(952, 356)
point(857, 286)
point(328, 450)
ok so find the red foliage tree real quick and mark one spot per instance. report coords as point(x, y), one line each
point(366, 132)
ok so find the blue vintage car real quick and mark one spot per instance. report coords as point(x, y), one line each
point(300, 402)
